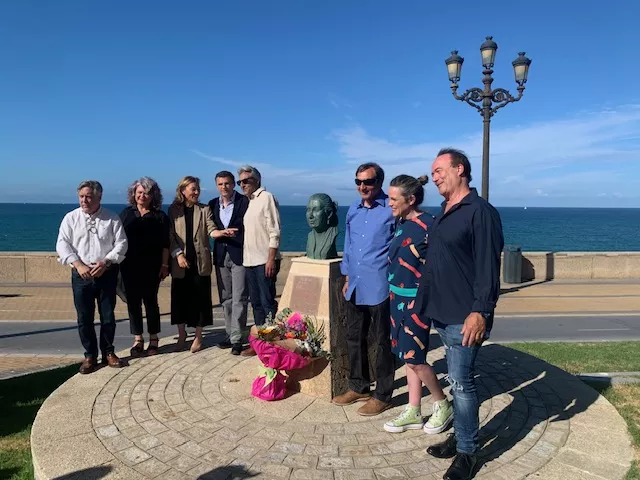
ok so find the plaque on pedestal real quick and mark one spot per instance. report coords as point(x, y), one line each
point(314, 287)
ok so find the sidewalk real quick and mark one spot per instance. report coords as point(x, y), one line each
point(186, 416)
point(47, 302)
point(55, 302)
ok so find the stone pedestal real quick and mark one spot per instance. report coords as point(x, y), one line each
point(314, 287)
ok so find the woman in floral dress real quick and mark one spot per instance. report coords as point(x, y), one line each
point(409, 332)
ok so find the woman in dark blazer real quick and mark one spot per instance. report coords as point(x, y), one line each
point(147, 260)
point(191, 266)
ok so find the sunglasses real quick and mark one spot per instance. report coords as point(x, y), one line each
point(369, 182)
point(244, 182)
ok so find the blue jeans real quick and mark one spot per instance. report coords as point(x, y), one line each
point(262, 292)
point(86, 293)
point(460, 364)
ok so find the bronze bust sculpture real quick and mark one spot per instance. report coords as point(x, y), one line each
point(322, 217)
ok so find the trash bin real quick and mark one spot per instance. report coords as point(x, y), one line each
point(512, 264)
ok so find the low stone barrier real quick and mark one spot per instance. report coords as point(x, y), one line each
point(43, 267)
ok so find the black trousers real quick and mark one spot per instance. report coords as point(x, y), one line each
point(191, 299)
point(142, 290)
point(85, 295)
point(360, 318)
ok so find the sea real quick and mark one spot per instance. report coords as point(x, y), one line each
point(32, 227)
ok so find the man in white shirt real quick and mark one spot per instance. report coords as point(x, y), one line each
point(92, 240)
point(261, 255)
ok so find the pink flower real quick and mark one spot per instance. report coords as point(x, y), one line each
point(294, 319)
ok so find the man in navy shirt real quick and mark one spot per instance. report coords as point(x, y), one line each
point(459, 293)
point(370, 227)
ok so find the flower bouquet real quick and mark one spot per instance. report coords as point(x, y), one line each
point(287, 342)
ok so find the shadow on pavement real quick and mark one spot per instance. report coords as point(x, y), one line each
point(92, 473)
point(539, 392)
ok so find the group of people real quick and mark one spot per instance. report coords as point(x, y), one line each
point(145, 245)
point(405, 271)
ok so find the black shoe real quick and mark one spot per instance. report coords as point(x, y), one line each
point(446, 449)
point(462, 468)
point(236, 349)
point(225, 344)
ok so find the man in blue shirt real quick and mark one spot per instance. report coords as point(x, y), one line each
point(458, 292)
point(370, 227)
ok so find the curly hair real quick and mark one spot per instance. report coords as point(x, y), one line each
point(151, 187)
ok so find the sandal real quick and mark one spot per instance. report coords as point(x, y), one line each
point(152, 349)
point(138, 349)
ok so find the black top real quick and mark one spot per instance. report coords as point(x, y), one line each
point(148, 235)
point(233, 245)
point(462, 271)
point(190, 253)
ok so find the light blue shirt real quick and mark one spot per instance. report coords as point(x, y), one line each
point(227, 212)
point(368, 234)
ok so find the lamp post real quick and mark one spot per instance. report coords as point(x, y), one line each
point(483, 99)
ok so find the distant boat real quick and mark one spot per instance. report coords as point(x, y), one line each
point(525, 208)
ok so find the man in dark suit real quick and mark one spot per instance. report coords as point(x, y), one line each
point(228, 211)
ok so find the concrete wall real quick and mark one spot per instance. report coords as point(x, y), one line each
point(43, 267)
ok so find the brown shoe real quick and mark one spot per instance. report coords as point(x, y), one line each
point(248, 352)
point(373, 407)
point(112, 360)
point(350, 397)
point(88, 365)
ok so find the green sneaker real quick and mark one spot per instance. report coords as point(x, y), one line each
point(441, 418)
point(410, 419)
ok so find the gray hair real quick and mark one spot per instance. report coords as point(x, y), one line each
point(253, 171)
point(94, 185)
point(151, 187)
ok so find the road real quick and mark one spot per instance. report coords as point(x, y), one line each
point(61, 337)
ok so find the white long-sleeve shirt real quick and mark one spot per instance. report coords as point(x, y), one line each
point(261, 228)
point(91, 238)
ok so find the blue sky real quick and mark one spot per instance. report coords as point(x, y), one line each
point(306, 90)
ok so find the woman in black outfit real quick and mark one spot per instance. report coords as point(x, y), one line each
point(147, 260)
point(191, 227)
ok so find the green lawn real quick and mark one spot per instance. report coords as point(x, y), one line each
point(600, 357)
point(20, 399)
point(586, 357)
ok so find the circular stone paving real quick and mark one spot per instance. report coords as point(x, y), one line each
point(183, 415)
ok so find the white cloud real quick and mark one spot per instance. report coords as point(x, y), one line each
point(560, 160)
point(266, 169)
point(577, 156)
point(338, 102)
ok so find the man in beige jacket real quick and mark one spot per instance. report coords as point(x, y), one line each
point(261, 248)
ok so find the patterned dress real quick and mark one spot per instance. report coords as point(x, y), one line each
point(407, 253)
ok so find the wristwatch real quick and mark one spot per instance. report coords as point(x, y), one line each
point(486, 315)
point(107, 263)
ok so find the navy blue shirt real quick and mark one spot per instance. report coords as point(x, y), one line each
point(368, 234)
point(462, 271)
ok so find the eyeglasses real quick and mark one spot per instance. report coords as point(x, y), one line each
point(369, 182)
point(91, 225)
point(244, 181)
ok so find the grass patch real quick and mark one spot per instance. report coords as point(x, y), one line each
point(586, 357)
point(20, 399)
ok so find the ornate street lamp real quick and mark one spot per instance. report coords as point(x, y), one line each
point(484, 99)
